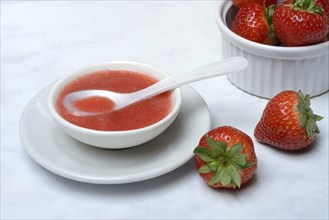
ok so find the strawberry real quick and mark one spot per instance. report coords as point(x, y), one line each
point(225, 157)
point(254, 22)
point(300, 23)
point(240, 3)
point(288, 122)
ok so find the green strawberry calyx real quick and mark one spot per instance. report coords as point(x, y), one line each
point(307, 5)
point(224, 163)
point(268, 12)
point(307, 118)
point(268, 16)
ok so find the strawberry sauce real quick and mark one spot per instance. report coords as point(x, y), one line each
point(137, 115)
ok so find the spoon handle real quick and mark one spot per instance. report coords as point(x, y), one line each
point(223, 67)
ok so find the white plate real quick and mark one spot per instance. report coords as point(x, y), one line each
point(53, 149)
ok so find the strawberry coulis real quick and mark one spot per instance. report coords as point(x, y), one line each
point(137, 115)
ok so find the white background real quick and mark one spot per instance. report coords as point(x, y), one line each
point(44, 40)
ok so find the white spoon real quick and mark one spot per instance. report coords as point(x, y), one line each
point(222, 67)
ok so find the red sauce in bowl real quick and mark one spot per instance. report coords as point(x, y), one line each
point(137, 115)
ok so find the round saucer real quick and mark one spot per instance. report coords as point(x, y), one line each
point(56, 151)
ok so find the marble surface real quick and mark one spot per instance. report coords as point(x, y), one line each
point(44, 40)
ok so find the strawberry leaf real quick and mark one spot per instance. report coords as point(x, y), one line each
point(311, 4)
point(225, 176)
point(268, 12)
point(234, 150)
point(236, 179)
point(204, 169)
point(317, 117)
point(246, 165)
point(205, 154)
point(217, 177)
point(303, 120)
point(218, 147)
point(305, 3)
point(213, 165)
point(300, 108)
point(240, 160)
point(307, 99)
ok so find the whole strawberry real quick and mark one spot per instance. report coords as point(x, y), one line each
point(300, 23)
point(240, 3)
point(288, 122)
point(254, 22)
point(225, 157)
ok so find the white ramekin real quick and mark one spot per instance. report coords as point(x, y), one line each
point(273, 69)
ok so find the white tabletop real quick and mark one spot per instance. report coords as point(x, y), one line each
point(44, 40)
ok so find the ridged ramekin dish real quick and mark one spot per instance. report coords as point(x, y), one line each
point(273, 69)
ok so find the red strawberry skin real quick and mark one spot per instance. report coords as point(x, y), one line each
point(250, 23)
point(280, 124)
point(231, 136)
point(299, 27)
point(240, 3)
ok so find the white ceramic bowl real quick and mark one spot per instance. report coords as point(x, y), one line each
point(114, 139)
point(273, 69)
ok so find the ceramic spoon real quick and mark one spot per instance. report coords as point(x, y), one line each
point(120, 100)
